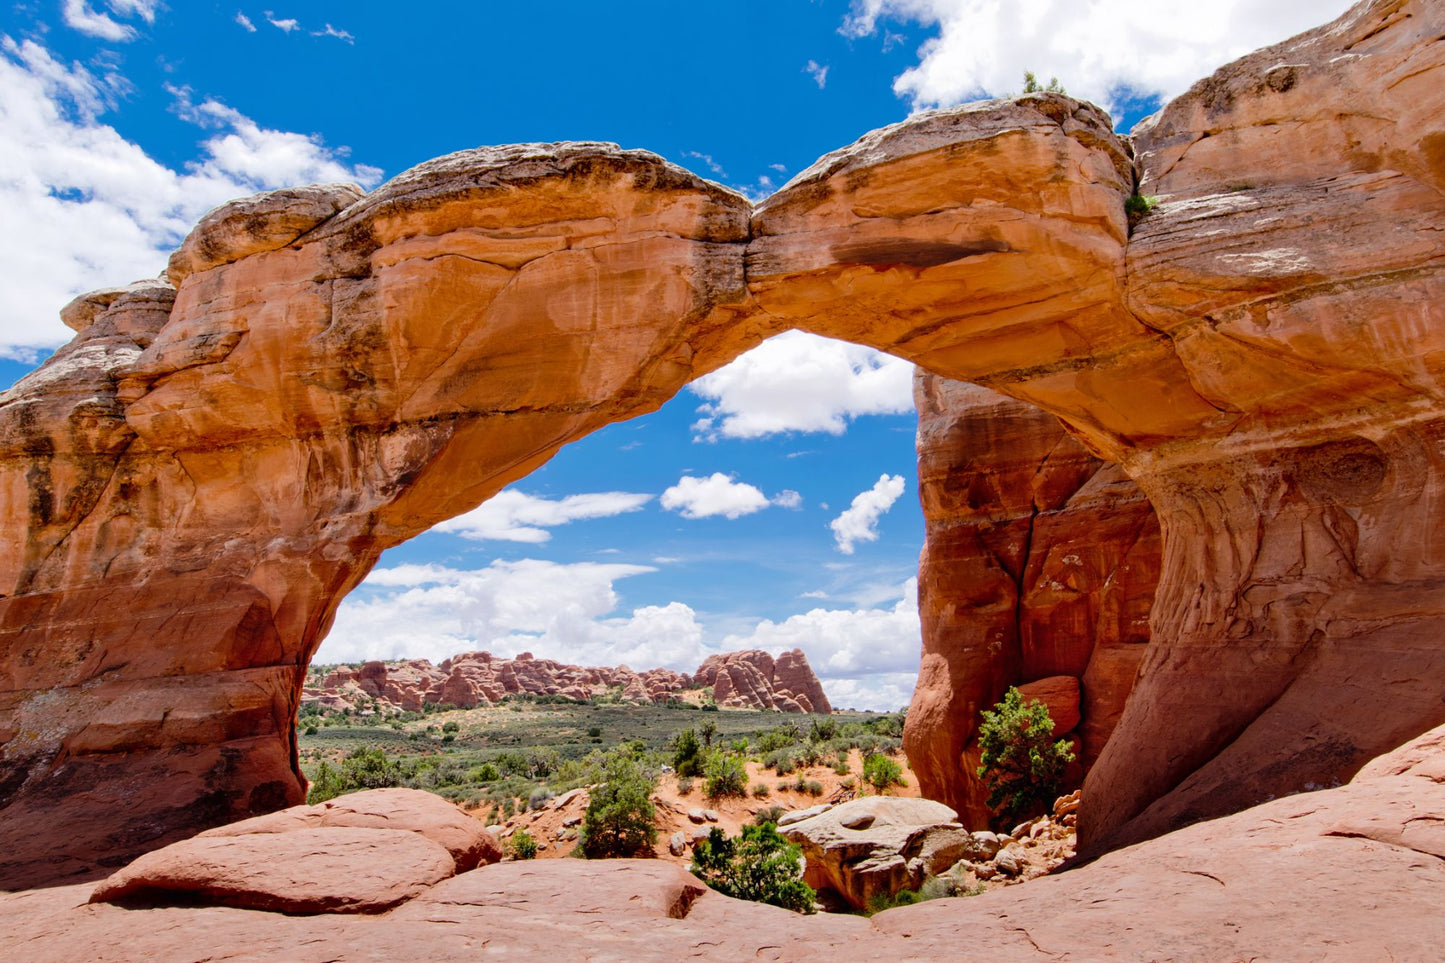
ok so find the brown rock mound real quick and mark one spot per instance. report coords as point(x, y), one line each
point(751, 679)
point(325, 870)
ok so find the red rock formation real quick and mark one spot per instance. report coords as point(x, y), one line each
point(751, 679)
point(189, 491)
point(479, 678)
point(1039, 561)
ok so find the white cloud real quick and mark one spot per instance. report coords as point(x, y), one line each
point(865, 658)
point(558, 611)
point(715, 495)
point(85, 208)
point(712, 165)
point(787, 498)
point(79, 15)
point(859, 522)
point(513, 516)
point(245, 22)
point(284, 24)
point(800, 382)
point(1097, 48)
point(819, 73)
point(331, 31)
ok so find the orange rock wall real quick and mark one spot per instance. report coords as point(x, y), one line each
point(1039, 566)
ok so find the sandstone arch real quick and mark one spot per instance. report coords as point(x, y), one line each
point(331, 367)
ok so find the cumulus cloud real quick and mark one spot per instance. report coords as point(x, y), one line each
point(84, 207)
point(859, 521)
point(79, 15)
point(553, 610)
point(514, 516)
point(1100, 49)
point(716, 494)
point(800, 382)
point(865, 658)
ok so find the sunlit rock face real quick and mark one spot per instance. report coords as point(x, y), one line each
point(1039, 566)
point(189, 489)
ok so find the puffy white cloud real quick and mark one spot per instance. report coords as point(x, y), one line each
point(866, 658)
point(787, 498)
point(514, 516)
point(553, 610)
point(1097, 48)
point(801, 382)
point(859, 521)
point(84, 207)
point(716, 494)
point(284, 24)
point(79, 15)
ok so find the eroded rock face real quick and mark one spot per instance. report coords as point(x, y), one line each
point(188, 493)
point(1039, 563)
point(752, 679)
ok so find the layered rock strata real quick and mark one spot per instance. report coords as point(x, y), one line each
point(1038, 570)
point(750, 679)
point(189, 489)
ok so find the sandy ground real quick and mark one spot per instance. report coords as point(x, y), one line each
point(555, 827)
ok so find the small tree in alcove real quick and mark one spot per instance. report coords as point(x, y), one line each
point(1023, 765)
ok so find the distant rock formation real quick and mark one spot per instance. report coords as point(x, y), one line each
point(750, 679)
point(753, 679)
point(1039, 566)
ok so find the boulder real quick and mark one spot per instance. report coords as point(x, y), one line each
point(414, 810)
point(862, 848)
point(324, 870)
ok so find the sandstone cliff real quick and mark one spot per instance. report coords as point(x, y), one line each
point(1038, 570)
point(192, 484)
point(473, 679)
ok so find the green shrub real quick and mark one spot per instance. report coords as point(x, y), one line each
point(761, 790)
point(725, 775)
point(450, 726)
point(880, 772)
point(619, 818)
point(1032, 85)
point(539, 797)
point(1137, 207)
point(360, 769)
point(758, 865)
point(769, 814)
point(687, 755)
point(684, 786)
point(523, 845)
point(1022, 764)
point(781, 761)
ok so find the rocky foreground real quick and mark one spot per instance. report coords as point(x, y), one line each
point(1351, 873)
point(747, 679)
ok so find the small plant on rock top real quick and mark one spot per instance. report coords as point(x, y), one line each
point(1023, 764)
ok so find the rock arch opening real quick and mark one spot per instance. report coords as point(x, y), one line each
point(193, 482)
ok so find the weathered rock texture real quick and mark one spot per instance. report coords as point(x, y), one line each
point(752, 679)
point(189, 488)
point(478, 679)
point(1346, 874)
point(1039, 566)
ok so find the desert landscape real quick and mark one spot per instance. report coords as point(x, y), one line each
point(1179, 455)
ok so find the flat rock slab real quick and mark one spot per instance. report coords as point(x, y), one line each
point(424, 813)
point(306, 871)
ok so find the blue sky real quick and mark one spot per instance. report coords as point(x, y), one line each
point(122, 121)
